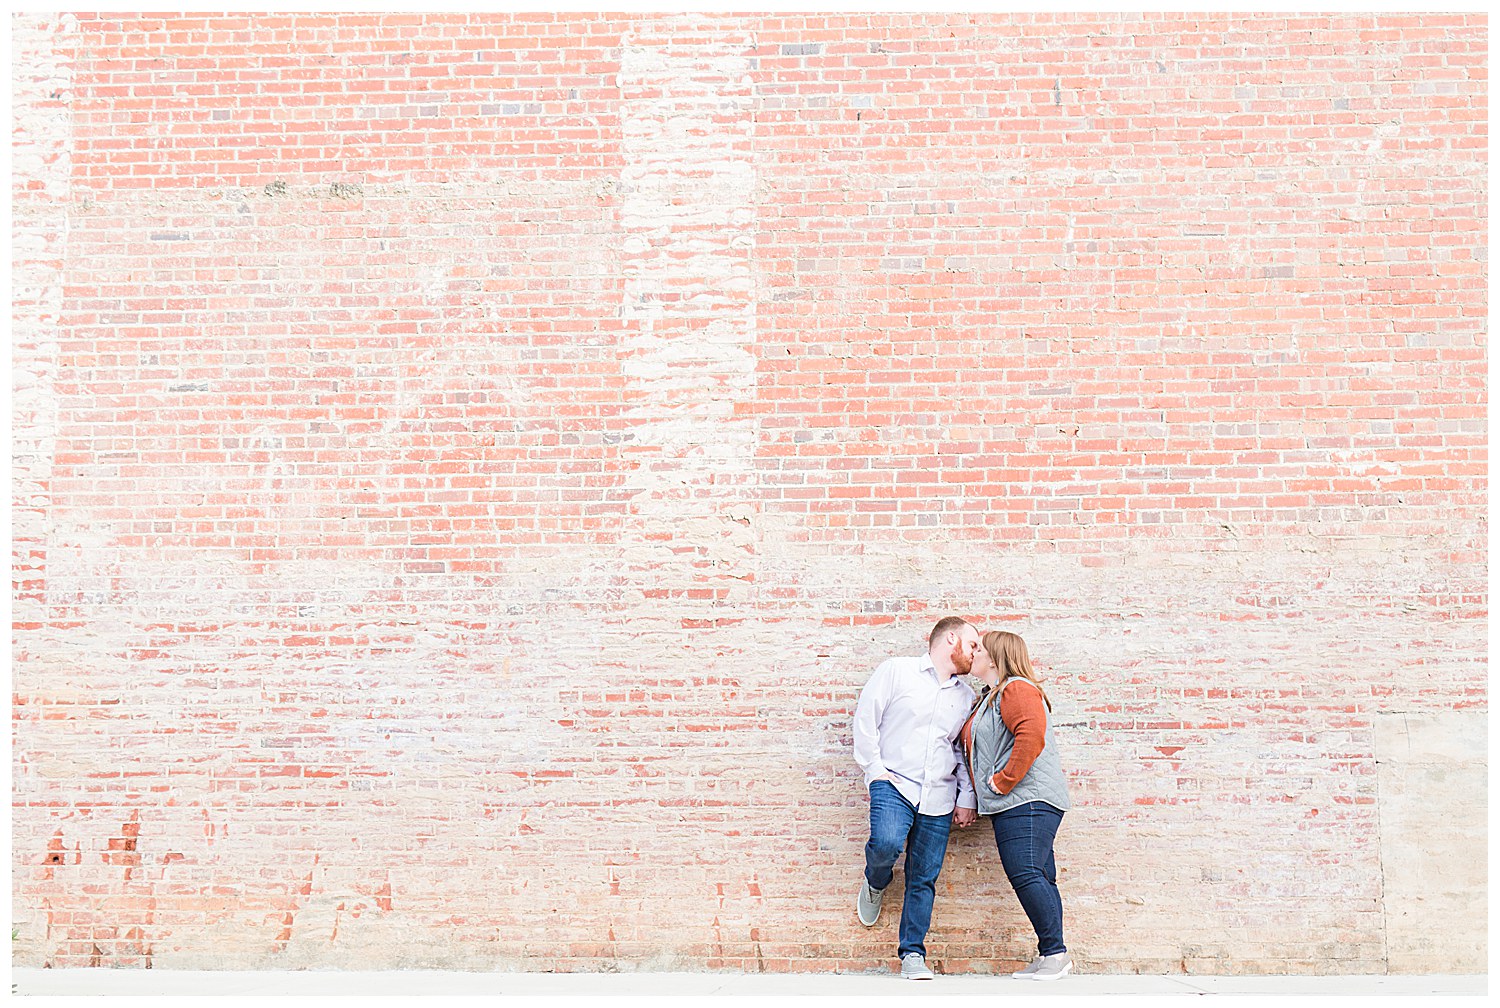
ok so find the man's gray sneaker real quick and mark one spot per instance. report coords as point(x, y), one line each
point(914, 967)
point(1052, 967)
point(868, 904)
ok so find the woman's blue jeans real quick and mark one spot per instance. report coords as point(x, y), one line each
point(895, 823)
point(1024, 837)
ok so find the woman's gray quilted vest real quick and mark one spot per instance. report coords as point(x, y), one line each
point(993, 742)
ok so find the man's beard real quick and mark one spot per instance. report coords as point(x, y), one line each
point(962, 661)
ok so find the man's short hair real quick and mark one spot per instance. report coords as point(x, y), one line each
point(943, 626)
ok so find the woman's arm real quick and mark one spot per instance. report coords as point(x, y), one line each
point(1025, 713)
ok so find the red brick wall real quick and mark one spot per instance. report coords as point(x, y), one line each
point(466, 466)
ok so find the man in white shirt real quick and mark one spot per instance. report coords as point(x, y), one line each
point(906, 741)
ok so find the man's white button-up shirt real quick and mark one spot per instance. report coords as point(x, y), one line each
point(906, 728)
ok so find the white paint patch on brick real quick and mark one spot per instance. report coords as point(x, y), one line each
point(688, 217)
point(1433, 839)
point(43, 48)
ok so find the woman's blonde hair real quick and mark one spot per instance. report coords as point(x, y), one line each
point(1008, 652)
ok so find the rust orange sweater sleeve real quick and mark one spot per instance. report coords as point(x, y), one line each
point(1025, 713)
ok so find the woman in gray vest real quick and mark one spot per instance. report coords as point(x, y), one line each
point(1018, 779)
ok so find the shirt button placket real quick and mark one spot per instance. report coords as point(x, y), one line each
point(932, 730)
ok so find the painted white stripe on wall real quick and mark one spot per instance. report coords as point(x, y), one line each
point(688, 217)
point(41, 156)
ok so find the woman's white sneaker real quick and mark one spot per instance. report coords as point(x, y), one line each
point(1052, 967)
point(1027, 971)
point(914, 967)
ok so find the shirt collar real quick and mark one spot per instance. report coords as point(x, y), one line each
point(928, 666)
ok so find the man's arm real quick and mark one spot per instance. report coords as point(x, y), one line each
point(872, 702)
point(968, 802)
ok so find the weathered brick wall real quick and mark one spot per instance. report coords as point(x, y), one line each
point(465, 468)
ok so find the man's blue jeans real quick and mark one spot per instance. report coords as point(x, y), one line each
point(1024, 836)
point(895, 823)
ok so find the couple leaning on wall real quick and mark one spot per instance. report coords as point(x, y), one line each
point(935, 754)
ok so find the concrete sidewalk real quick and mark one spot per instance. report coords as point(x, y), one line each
point(436, 982)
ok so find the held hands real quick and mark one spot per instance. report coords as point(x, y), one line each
point(961, 816)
